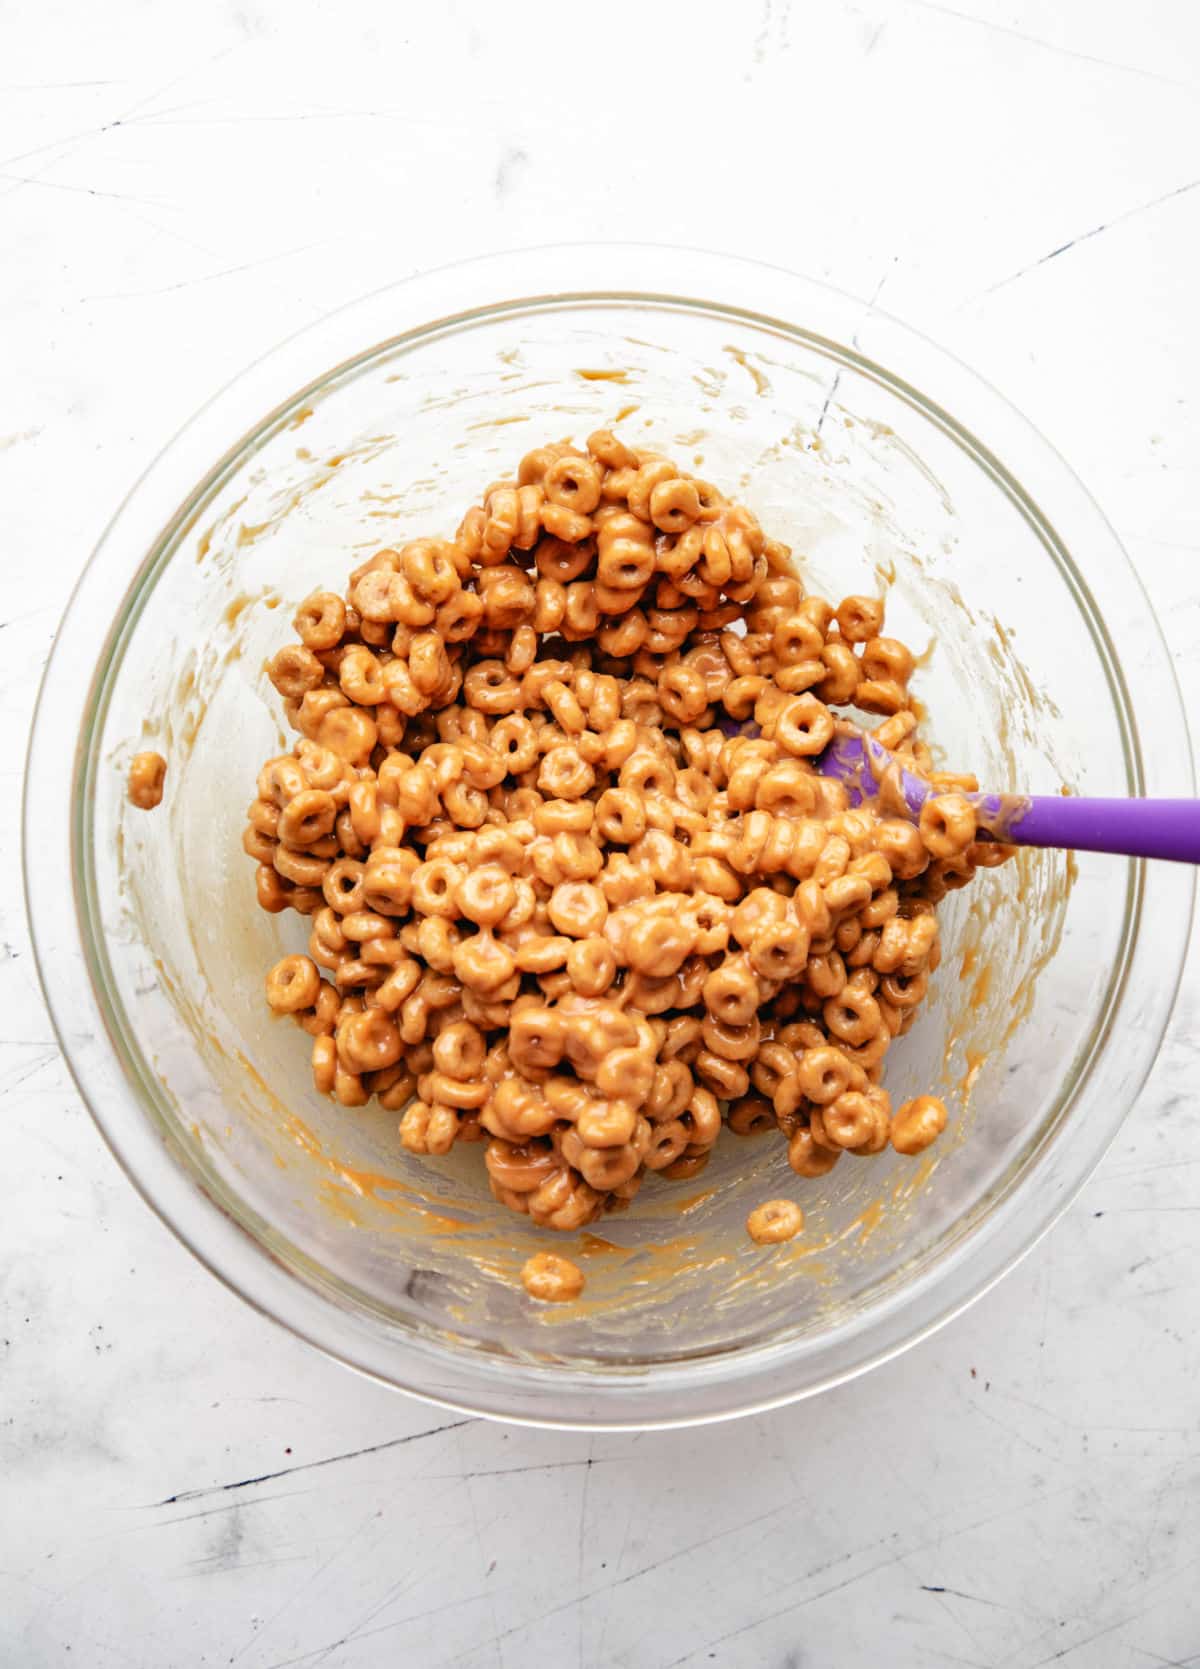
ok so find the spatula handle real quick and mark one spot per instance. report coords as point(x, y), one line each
point(1135, 828)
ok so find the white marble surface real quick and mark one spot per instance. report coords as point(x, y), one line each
point(182, 1485)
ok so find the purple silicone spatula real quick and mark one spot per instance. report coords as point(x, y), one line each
point(1134, 828)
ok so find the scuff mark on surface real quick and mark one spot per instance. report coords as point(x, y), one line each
point(513, 161)
point(308, 1466)
point(1073, 243)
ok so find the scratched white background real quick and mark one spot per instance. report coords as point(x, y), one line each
point(181, 186)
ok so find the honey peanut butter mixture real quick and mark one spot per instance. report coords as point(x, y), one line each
point(577, 891)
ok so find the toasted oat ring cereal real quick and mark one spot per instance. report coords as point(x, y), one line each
point(577, 890)
point(147, 773)
point(775, 1222)
point(553, 1279)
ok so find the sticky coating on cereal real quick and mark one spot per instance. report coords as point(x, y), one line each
point(147, 774)
point(560, 903)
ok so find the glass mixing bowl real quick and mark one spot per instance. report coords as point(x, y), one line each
point(886, 465)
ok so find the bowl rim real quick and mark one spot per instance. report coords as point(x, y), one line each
point(73, 689)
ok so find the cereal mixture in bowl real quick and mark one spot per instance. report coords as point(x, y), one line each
point(893, 474)
point(578, 891)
